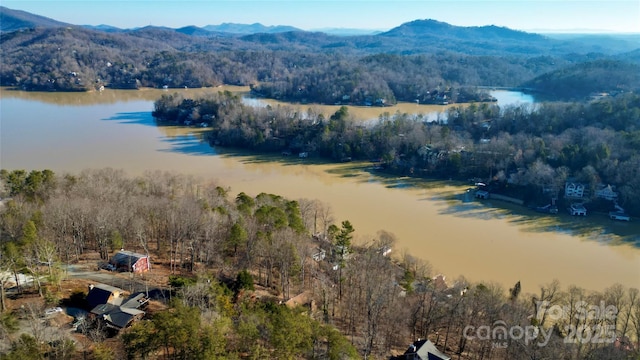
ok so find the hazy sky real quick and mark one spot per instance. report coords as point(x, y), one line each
point(561, 15)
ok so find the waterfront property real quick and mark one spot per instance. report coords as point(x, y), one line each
point(606, 192)
point(577, 210)
point(574, 190)
point(617, 215)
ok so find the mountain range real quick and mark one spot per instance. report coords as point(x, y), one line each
point(39, 54)
point(419, 36)
point(12, 20)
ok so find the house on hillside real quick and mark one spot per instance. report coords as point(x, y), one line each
point(606, 192)
point(574, 190)
point(384, 250)
point(423, 350)
point(440, 282)
point(130, 262)
point(320, 255)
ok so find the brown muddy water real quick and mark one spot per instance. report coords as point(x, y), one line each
point(436, 221)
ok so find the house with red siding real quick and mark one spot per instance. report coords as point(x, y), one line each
point(130, 262)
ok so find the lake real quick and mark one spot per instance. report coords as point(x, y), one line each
point(436, 221)
point(360, 113)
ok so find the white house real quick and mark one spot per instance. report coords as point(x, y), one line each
point(606, 192)
point(320, 255)
point(574, 190)
point(385, 250)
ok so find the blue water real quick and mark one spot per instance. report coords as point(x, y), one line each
point(506, 97)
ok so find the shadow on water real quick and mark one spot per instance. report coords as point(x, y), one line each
point(183, 141)
point(248, 157)
point(189, 144)
point(453, 194)
point(461, 203)
point(136, 117)
point(594, 227)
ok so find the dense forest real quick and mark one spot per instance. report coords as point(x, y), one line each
point(527, 151)
point(582, 80)
point(417, 61)
point(235, 257)
point(71, 61)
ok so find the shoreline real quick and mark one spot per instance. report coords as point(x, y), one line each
point(457, 238)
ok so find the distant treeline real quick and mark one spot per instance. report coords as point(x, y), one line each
point(587, 79)
point(530, 150)
point(75, 59)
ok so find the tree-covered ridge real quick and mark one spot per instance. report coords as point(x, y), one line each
point(579, 81)
point(77, 59)
point(373, 304)
point(296, 67)
point(384, 79)
point(535, 148)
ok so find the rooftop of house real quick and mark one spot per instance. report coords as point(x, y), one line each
point(118, 316)
point(117, 312)
point(126, 257)
point(102, 294)
point(425, 350)
point(135, 301)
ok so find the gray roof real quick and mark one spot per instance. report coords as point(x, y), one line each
point(117, 316)
point(126, 258)
point(119, 312)
point(135, 301)
point(103, 309)
point(109, 288)
point(100, 294)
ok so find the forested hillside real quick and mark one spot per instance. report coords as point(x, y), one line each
point(416, 61)
point(78, 59)
point(579, 81)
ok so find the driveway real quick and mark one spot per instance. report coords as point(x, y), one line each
point(133, 283)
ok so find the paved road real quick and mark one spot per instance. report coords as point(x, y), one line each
point(125, 281)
